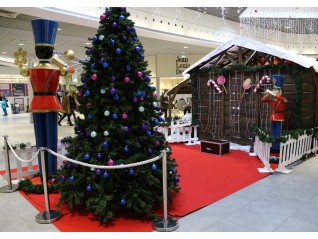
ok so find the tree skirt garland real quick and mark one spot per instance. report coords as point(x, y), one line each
point(34, 184)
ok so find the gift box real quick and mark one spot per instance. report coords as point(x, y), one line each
point(215, 146)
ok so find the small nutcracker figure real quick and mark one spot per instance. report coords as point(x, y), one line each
point(44, 79)
point(277, 102)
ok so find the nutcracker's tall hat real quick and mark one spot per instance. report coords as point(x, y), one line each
point(278, 81)
point(44, 31)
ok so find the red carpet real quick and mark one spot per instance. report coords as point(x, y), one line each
point(205, 179)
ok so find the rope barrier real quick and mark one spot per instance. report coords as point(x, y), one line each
point(20, 159)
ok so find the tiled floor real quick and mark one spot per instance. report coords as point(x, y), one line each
point(277, 203)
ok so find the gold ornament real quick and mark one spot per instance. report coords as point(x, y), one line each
point(24, 71)
point(20, 58)
point(69, 55)
point(63, 71)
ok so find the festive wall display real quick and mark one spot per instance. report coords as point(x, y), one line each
point(120, 113)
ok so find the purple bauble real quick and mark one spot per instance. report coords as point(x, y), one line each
point(114, 24)
point(68, 166)
point(128, 29)
point(126, 149)
point(94, 77)
point(88, 188)
point(131, 172)
point(88, 52)
point(157, 143)
point(126, 128)
point(101, 61)
point(124, 38)
point(99, 156)
point(139, 74)
point(124, 116)
point(98, 172)
point(112, 91)
point(147, 78)
point(176, 179)
point(83, 79)
point(116, 97)
point(148, 133)
point(155, 121)
point(126, 79)
point(135, 99)
point(113, 78)
point(110, 162)
point(158, 108)
point(154, 95)
point(150, 151)
point(88, 133)
point(62, 178)
point(122, 9)
point(77, 127)
point(144, 127)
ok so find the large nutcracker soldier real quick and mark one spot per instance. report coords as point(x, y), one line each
point(277, 103)
point(44, 79)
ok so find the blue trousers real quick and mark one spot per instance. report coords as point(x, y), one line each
point(45, 128)
point(276, 133)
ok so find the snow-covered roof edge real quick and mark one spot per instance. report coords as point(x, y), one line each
point(304, 61)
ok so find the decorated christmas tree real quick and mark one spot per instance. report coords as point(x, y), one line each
point(120, 112)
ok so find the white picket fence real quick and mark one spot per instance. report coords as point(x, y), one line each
point(290, 151)
point(22, 169)
point(185, 132)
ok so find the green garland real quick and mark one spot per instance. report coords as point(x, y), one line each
point(28, 187)
point(294, 134)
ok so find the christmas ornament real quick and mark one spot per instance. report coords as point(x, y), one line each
point(95, 38)
point(99, 156)
point(174, 170)
point(106, 113)
point(126, 79)
point(124, 38)
point(52, 181)
point(114, 24)
point(110, 162)
point(88, 188)
point(153, 166)
point(139, 74)
point(128, 29)
point(112, 91)
point(89, 116)
point(105, 175)
point(148, 133)
point(105, 64)
point(94, 77)
point(113, 78)
point(128, 68)
point(98, 172)
point(137, 49)
point(116, 97)
point(131, 172)
point(101, 61)
point(147, 78)
point(126, 129)
point(102, 17)
point(87, 156)
point(105, 144)
point(141, 109)
point(135, 99)
point(101, 37)
point(124, 116)
point(93, 134)
point(68, 166)
point(157, 143)
point(87, 93)
point(106, 133)
point(62, 178)
point(155, 121)
point(112, 41)
point(155, 104)
point(176, 179)
point(150, 151)
point(158, 108)
point(123, 202)
point(71, 179)
point(118, 51)
point(102, 91)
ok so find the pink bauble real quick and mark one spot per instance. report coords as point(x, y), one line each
point(80, 93)
point(110, 162)
point(102, 17)
point(154, 95)
point(94, 77)
point(124, 116)
point(126, 79)
point(141, 99)
point(139, 74)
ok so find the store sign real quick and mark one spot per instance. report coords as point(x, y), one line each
point(181, 64)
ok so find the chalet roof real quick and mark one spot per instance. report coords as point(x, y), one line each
point(249, 48)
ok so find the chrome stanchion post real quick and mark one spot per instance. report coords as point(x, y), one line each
point(11, 187)
point(49, 215)
point(165, 223)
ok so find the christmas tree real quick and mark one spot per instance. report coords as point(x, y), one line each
point(120, 113)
